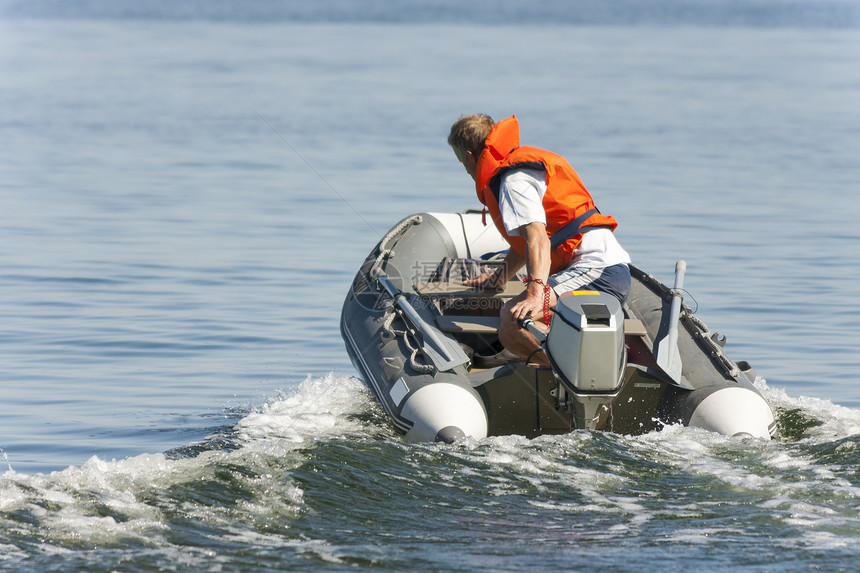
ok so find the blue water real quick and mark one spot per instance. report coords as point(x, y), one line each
point(187, 189)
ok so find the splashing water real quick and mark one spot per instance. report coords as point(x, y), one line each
point(316, 478)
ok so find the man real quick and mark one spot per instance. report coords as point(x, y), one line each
point(543, 210)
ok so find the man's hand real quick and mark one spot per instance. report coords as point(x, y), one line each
point(530, 306)
point(499, 278)
point(495, 279)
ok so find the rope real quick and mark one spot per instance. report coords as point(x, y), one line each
point(408, 333)
point(702, 334)
point(391, 312)
point(384, 251)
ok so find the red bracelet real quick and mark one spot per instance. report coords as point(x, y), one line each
point(546, 288)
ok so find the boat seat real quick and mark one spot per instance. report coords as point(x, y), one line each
point(490, 325)
point(468, 324)
point(634, 327)
point(459, 290)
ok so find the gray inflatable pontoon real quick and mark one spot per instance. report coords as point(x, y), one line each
point(428, 349)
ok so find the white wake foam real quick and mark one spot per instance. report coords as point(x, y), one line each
point(133, 500)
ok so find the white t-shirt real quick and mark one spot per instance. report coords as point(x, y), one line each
point(521, 202)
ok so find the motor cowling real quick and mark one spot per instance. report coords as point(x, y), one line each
point(585, 343)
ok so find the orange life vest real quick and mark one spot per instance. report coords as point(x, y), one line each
point(566, 198)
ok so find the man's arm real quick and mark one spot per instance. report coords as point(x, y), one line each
point(537, 261)
point(520, 195)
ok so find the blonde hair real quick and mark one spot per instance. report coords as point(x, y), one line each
point(469, 132)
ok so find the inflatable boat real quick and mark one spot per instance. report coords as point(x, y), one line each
point(427, 347)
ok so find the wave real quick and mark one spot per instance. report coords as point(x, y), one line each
point(297, 474)
point(238, 480)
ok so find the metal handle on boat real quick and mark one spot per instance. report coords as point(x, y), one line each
point(680, 270)
point(530, 325)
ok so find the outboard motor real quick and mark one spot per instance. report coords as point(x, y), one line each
point(586, 349)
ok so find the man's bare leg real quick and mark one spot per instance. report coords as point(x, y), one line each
point(518, 340)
